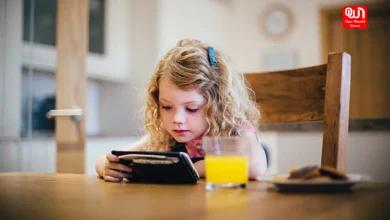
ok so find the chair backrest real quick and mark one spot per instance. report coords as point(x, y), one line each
point(318, 93)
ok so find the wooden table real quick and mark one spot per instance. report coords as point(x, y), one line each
point(73, 196)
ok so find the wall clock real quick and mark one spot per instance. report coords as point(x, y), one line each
point(276, 21)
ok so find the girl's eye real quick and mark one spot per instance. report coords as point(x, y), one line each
point(192, 109)
point(166, 107)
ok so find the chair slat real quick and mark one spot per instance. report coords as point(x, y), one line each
point(291, 95)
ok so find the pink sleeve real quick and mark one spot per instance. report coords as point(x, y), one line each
point(248, 127)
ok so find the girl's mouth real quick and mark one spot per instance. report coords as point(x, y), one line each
point(180, 131)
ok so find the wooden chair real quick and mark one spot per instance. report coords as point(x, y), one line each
point(318, 93)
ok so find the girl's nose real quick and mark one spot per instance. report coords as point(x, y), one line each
point(179, 117)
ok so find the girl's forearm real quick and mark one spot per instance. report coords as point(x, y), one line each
point(258, 162)
point(200, 168)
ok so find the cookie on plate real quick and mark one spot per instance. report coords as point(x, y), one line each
point(321, 179)
point(333, 173)
point(280, 178)
point(306, 172)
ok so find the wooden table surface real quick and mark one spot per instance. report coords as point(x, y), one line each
point(73, 196)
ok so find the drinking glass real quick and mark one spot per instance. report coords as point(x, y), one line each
point(227, 162)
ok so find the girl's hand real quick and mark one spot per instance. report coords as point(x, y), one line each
point(114, 171)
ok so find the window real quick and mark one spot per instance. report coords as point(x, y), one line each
point(43, 19)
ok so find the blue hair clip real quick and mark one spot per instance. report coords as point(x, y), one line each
point(213, 61)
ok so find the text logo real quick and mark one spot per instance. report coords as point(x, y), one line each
point(355, 17)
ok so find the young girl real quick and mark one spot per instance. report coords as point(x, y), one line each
point(193, 92)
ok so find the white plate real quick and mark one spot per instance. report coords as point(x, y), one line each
point(315, 186)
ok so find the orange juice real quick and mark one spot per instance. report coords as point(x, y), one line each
point(227, 169)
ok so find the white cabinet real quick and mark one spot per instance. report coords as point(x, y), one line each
point(114, 65)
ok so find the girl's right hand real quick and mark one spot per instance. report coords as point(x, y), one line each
point(114, 171)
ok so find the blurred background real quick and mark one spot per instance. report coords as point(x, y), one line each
point(126, 38)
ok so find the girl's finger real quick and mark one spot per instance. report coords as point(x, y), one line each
point(112, 158)
point(112, 179)
point(119, 167)
point(117, 174)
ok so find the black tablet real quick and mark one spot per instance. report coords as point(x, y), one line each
point(159, 167)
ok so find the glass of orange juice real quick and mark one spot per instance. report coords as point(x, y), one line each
point(227, 162)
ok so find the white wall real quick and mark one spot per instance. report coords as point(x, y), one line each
point(206, 20)
point(122, 104)
point(248, 45)
point(93, 107)
point(117, 56)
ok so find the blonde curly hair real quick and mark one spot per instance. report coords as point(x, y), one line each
point(229, 101)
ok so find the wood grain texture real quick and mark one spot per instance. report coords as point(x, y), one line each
point(72, 196)
point(291, 95)
point(71, 77)
point(336, 118)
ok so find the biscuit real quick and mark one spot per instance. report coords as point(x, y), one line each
point(333, 173)
point(321, 178)
point(292, 170)
point(280, 178)
point(304, 172)
point(312, 174)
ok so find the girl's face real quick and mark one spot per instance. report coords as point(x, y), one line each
point(182, 112)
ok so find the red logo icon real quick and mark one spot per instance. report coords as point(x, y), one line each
point(355, 17)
